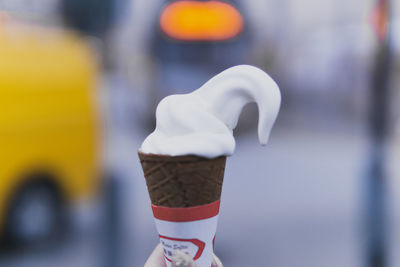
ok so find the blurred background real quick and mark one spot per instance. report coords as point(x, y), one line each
point(79, 83)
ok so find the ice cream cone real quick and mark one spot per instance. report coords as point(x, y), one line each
point(183, 159)
point(183, 181)
point(185, 193)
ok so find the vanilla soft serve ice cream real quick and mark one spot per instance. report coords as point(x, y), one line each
point(201, 123)
point(183, 160)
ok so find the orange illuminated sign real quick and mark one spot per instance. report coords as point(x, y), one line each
point(201, 21)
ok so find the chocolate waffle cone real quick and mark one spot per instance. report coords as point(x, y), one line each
point(182, 181)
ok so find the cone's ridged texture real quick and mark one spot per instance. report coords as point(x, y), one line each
point(183, 181)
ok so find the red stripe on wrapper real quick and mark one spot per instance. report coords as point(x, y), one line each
point(186, 214)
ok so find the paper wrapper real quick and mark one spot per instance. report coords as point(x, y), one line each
point(185, 193)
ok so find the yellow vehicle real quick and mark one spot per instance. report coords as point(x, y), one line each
point(49, 149)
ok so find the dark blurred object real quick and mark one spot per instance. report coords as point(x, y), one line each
point(93, 17)
point(218, 53)
point(36, 213)
point(112, 224)
point(379, 130)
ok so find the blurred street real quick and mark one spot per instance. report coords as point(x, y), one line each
point(300, 201)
